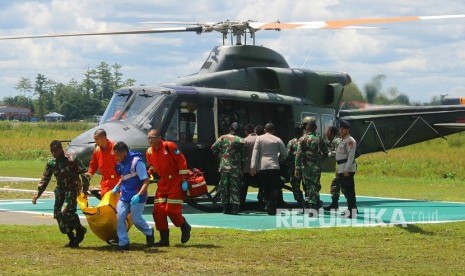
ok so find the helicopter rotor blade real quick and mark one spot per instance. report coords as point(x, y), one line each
point(345, 24)
point(238, 28)
point(197, 29)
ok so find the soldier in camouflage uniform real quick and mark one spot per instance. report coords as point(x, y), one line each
point(232, 152)
point(311, 150)
point(67, 170)
point(332, 143)
point(290, 161)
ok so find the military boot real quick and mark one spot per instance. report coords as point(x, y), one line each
point(80, 232)
point(227, 208)
point(150, 239)
point(186, 231)
point(72, 240)
point(350, 213)
point(164, 239)
point(313, 211)
point(333, 206)
point(234, 209)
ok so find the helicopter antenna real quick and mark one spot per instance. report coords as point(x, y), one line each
point(305, 61)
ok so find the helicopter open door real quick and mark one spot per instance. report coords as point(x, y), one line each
point(243, 112)
point(191, 127)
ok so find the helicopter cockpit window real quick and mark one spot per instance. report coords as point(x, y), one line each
point(183, 125)
point(114, 110)
point(143, 108)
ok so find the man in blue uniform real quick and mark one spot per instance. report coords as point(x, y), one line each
point(133, 187)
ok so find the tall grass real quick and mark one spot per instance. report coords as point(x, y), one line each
point(434, 159)
point(30, 141)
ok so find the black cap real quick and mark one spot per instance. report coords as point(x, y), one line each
point(234, 126)
point(344, 124)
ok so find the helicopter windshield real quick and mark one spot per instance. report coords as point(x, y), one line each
point(142, 108)
point(114, 109)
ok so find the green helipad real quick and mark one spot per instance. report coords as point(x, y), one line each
point(373, 211)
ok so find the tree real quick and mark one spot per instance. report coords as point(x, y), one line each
point(20, 101)
point(42, 88)
point(352, 93)
point(117, 75)
point(402, 99)
point(129, 82)
point(106, 83)
point(373, 88)
point(24, 85)
point(88, 83)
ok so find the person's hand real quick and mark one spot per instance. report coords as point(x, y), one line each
point(115, 189)
point(135, 199)
point(184, 186)
point(296, 173)
point(89, 176)
point(34, 199)
point(253, 172)
point(346, 173)
point(64, 208)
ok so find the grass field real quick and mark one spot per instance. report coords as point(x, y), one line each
point(414, 250)
point(430, 171)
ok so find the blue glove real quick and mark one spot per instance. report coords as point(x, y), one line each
point(115, 189)
point(135, 199)
point(184, 186)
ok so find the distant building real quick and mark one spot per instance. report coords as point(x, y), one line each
point(53, 117)
point(15, 113)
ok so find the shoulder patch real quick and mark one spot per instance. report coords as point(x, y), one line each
point(177, 151)
point(350, 144)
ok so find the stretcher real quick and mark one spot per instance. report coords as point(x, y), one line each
point(102, 218)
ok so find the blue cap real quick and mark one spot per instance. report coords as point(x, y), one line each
point(344, 124)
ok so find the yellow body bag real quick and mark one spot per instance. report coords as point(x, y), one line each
point(102, 218)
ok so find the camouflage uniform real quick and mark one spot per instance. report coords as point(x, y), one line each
point(335, 185)
point(67, 170)
point(311, 150)
point(232, 152)
point(294, 180)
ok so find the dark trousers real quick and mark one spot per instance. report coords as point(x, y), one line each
point(249, 180)
point(271, 183)
point(348, 189)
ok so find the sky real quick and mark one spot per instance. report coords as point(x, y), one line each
point(421, 59)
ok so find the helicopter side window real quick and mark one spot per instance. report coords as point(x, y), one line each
point(327, 120)
point(314, 115)
point(183, 125)
point(188, 122)
point(172, 131)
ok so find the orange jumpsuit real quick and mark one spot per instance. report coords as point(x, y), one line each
point(171, 166)
point(105, 162)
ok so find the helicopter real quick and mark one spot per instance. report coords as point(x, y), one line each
point(253, 84)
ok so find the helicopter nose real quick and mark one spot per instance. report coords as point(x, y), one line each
point(83, 152)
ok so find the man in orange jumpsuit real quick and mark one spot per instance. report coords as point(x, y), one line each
point(164, 158)
point(104, 161)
